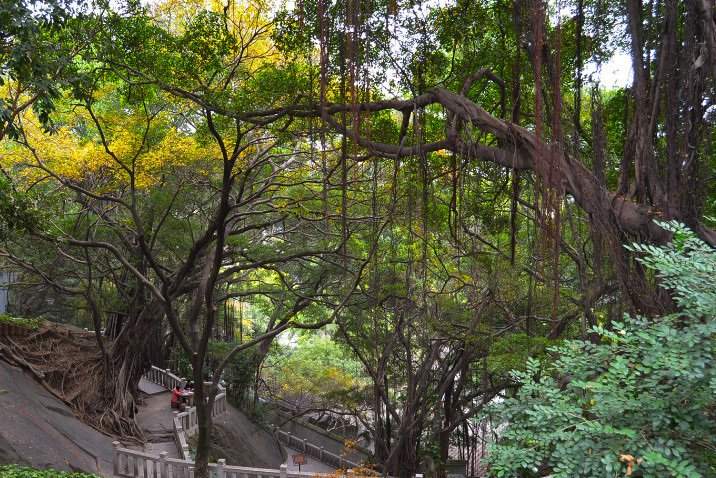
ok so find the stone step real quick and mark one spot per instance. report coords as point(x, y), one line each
point(159, 437)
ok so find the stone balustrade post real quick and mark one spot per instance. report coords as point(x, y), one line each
point(220, 473)
point(163, 472)
point(115, 457)
point(165, 379)
point(305, 440)
point(284, 469)
point(185, 452)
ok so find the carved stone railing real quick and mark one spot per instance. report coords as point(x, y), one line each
point(163, 377)
point(181, 433)
point(317, 452)
point(185, 423)
point(168, 380)
point(131, 463)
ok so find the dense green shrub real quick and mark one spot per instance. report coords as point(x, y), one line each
point(640, 403)
point(32, 324)
point(14, 471)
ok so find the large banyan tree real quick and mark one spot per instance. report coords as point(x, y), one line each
point(445, 90)
point(516, 84)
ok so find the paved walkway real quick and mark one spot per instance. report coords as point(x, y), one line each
point(155, 418)
point(313, 465)
point(149, 387)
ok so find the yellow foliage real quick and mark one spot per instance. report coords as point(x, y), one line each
point(135, 151)
point(242, 312)
point(247, 19)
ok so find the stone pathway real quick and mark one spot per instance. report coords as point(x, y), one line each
point(313, 465)
point(149, 387)
point(155, 417)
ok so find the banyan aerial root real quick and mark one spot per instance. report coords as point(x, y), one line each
point(69, 365)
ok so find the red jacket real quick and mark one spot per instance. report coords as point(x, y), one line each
point(175, 396)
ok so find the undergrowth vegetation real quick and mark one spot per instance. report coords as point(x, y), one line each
point(639, 402)
point(15, 471)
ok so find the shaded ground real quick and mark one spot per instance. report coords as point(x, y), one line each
point(155, 418)
point(241, 443)
point(313, 465)
point(41, 432)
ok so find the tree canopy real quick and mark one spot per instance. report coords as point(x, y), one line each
point(450, 185)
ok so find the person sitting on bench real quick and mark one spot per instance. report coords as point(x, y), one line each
point(175, 397)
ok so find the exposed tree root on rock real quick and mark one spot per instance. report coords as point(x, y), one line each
point(71, 367)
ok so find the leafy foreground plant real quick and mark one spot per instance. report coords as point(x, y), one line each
point(639, 403)
point(32, 324)
point(14, 471)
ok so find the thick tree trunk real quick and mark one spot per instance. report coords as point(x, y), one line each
point(121, 387)
point(203, 404)
point(381, 435)
point(404, 461)
point(128, 355)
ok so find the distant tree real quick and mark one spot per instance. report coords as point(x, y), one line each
point(310, 375)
